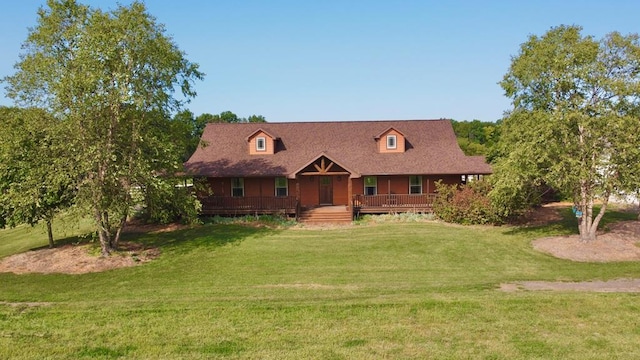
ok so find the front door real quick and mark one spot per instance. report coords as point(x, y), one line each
point(326, 190)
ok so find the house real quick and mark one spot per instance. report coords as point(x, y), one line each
point(352, 166)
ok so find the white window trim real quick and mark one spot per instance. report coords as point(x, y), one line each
point(264, 143)
point(410, 185)
point(364, 183)
point(286, 187)
point(392, 142)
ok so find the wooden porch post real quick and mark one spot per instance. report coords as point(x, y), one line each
point(297, 197)
point(350, 194)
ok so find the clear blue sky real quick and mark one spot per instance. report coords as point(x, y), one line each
point(293, 60)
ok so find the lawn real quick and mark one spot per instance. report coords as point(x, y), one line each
point(395, 291)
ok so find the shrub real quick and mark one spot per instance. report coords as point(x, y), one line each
point(165, 202)
point(466, 204)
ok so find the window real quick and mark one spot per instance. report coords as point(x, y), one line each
point(391, 142)
point(281, 186)
point(237, 187)
point(415, 184)
point(370, 185)
point(261, 143)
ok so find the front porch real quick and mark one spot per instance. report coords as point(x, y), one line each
point(393, 203)
point(249, 205)
point(289, 205)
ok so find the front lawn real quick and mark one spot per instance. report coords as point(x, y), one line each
point(405, 290)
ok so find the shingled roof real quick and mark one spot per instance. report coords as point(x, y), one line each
point(431, 149)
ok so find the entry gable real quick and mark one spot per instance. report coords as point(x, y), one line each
point(261, 143)
point(323, 165)
point(391, 141)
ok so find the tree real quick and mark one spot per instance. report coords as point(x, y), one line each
point(574, 124)
point(476, 137)
point(35, 180)
point(111, 77)
point(227, 117)
point(188, 129)
point(256, 119)
point(186, 133)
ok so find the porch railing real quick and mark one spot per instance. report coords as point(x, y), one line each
point(248, 204)
point(398, 202)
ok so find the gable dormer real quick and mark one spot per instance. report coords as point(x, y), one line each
point(261, 143)
point(391, 141)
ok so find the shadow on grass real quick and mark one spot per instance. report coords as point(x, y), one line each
point(204, 236)
point(179, 241)
point(568, 225)
point(70, 240)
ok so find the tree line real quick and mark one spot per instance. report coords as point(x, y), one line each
point(477, 137)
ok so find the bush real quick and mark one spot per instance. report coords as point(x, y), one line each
point(165, 202)
point(466, 204)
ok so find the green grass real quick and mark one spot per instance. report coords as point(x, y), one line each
point(397, 290)
point(24, 237)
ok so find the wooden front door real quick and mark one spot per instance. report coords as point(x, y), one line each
point(326, 190)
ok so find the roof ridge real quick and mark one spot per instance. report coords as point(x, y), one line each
point(333, 121)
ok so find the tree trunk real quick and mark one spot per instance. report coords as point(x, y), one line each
point(116, 238)
point(588, 225)
point(582, 212)
point(50, 234)
point(102, 235)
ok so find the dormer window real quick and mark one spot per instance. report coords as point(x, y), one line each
point(392, 142)
point(261, 143)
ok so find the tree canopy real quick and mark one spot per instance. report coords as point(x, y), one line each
point(476, 137)
point(188, 128)
point(110, 78)
point(36, 181)
point(575, 120)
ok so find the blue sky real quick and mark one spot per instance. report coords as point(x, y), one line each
point(350, 60)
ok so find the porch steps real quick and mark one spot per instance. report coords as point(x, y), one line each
point(326, 215)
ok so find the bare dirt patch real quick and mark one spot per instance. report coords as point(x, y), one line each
point(76, 259)
point(309, 286)
point(618, 244)
point(84, 258)
point(618, 285)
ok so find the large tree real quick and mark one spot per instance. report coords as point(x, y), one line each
point(112, 78)
point(575, 119)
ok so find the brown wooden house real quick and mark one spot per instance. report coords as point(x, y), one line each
point(348, 167)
